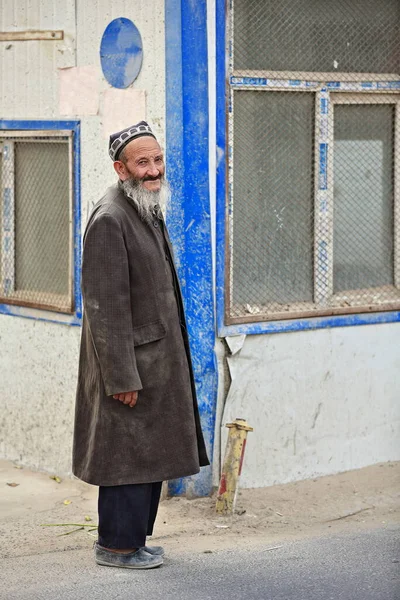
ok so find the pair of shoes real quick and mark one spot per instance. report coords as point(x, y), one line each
point(140, 559)
point(154, 550)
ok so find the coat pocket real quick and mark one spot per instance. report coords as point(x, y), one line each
point(149, 333)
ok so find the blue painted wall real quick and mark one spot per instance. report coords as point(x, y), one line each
point(188, 216)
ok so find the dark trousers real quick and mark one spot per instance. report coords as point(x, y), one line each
point(127, 514)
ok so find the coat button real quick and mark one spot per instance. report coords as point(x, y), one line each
point(155, 223)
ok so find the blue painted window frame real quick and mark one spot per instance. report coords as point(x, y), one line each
point(298, 324)
point(42, 314)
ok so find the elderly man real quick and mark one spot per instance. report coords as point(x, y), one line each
point(136, 420)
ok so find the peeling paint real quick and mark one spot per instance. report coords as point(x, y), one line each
point(189, 226)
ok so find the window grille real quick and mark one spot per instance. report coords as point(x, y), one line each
point(36, 251)
point(313, 195)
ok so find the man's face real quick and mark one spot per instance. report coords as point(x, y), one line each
point(142, 161)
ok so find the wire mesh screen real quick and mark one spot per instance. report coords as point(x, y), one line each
point(342, 36)
point(363, 170)
point(278, 214)
point(35, 226)
point(314, 158)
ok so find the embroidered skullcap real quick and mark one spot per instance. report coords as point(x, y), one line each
point(119, 140)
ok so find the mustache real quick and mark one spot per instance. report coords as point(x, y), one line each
point(149, 178)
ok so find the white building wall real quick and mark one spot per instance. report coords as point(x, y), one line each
point(320, 402)
point(28, 69)
point(38, 360)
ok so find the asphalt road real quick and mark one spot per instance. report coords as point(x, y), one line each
point(356, 566)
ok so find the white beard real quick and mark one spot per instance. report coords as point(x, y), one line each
point(147, 203)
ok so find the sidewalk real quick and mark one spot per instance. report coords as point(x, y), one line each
point(365, 498)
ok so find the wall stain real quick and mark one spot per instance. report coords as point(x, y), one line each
point(317, 412)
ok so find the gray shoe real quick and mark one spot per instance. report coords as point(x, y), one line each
point(154, 550)
point(140, 559)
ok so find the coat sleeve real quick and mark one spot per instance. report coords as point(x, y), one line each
point(107, 304)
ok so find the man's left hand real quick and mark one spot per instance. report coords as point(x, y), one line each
point(127, 398)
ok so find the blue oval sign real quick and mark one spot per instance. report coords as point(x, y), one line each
point(121, 53)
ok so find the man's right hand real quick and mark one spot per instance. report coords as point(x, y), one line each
point(127, 398)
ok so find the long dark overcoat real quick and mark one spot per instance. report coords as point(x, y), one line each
point(133, 338)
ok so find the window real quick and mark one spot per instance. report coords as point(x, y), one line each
point(340, 36)
point(313, 195)
point(39, 210)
